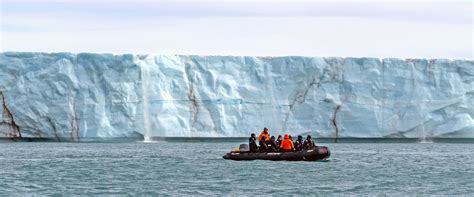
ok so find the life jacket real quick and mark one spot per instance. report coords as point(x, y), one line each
point(287, 145)
point(267, 136)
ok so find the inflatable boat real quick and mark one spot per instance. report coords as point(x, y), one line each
point(314, 154)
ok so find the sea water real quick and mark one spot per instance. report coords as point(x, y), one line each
point(198, 168)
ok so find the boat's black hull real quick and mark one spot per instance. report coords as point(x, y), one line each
point(314, 154)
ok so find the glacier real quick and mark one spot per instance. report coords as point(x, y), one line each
point(87, 95)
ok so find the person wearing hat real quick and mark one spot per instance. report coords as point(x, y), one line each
point(264, 133)
point(309, 143)
point(263, 145)
point(272, 145)
point(253, 144)
point(279, 140)
point(299, 143)
point(287, 144)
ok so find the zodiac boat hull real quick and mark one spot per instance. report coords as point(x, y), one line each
point(314, 154)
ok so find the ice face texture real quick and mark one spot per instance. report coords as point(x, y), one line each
point(103, 95)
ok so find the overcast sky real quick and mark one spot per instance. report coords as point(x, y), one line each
point(428, 29)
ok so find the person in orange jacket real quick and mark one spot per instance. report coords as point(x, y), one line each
point(264, 133)
point(287, 144)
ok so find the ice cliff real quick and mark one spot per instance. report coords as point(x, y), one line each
point(103, 95)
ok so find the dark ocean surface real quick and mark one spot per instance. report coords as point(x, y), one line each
point(197, 168)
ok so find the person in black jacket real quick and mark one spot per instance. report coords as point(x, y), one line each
point(309, 143)
point(253, 143)
point(279, 140)
point(299, 143)
point(272, 145)
point(263, 145)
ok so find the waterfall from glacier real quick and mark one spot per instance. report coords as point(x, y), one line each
point(422, 121)
point(145, 75)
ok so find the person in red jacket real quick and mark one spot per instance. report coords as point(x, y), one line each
point(287, 144)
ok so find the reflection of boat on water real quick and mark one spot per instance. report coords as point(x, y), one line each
point(313, 154)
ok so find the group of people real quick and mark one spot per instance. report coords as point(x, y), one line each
point(268, 143)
